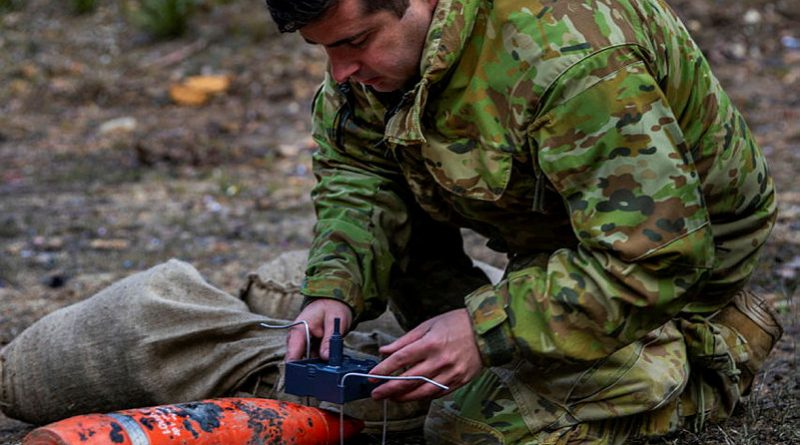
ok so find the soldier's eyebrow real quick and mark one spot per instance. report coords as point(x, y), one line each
point(339, 42)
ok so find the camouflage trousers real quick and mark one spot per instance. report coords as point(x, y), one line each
point(688, 371)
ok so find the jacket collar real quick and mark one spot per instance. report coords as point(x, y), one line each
point(450, 28)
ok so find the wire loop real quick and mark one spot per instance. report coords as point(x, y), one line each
point(304, 323)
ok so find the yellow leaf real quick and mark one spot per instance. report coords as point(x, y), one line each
point(183, 95)
point(196, 90)
point(209, 84)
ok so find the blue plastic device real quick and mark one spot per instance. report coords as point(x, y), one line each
point(322, 380)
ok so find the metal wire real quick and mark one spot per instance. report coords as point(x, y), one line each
point(304, 323)
point(308, 339)
point(385, 402)
point(392, 377)
point(385, 421)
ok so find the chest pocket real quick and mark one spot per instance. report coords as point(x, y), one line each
point(467, 167)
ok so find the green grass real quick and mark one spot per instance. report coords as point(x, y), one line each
point(163, 19)
point(84, 6)
point(10, 5)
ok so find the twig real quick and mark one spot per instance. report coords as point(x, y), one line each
point(725, 435)
point(178, 55)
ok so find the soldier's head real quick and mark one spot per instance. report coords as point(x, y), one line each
point(375, 42)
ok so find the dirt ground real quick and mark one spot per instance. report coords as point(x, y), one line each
point(102, 175)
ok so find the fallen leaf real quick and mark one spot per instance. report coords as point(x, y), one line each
point(109, 244)
point(196, 90)
point(208, 84)
point(183, 95)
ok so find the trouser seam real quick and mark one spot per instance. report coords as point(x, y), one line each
point(525, 412)
point(444, 411)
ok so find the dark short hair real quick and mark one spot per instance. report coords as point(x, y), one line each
point(291, 15)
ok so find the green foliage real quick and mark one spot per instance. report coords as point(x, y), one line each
point(10, 5)
point(84, 6)
point(163, 19)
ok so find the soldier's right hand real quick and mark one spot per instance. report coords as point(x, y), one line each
point(319, 314)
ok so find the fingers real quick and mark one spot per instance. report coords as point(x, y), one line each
point(410, 337)
point(408, 390)
point(417, 359)
point(422, 391)
point(442, 349)
point(320, 315)
point(412, 351)
point(453, 376)
point(394, 389)
point(296, 344)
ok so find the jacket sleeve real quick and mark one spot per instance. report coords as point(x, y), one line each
point(614, 151)
point(361, 216)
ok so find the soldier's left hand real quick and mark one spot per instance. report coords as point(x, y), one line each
point(442, 348)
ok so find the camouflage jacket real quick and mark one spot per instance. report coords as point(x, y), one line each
point(590, 135)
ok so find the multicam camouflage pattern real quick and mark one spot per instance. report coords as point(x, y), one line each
point(588, 139)
point(507, 403)
point(690, 370)
point(498, 421)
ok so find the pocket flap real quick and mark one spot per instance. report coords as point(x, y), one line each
point(468, 167)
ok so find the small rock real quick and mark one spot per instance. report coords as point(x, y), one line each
point(154, 244)
point(752, 17)
point(46, 260)
point(289, 150)
point(790, 42)
point(121, 124)
point(211, 204)
point(737, 51)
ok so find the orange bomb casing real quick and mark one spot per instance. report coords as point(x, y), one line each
point(228, 421)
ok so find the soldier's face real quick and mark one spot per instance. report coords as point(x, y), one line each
point(378, 49)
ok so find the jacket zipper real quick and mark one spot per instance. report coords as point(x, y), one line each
point(344, 114)
point(539, 180)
